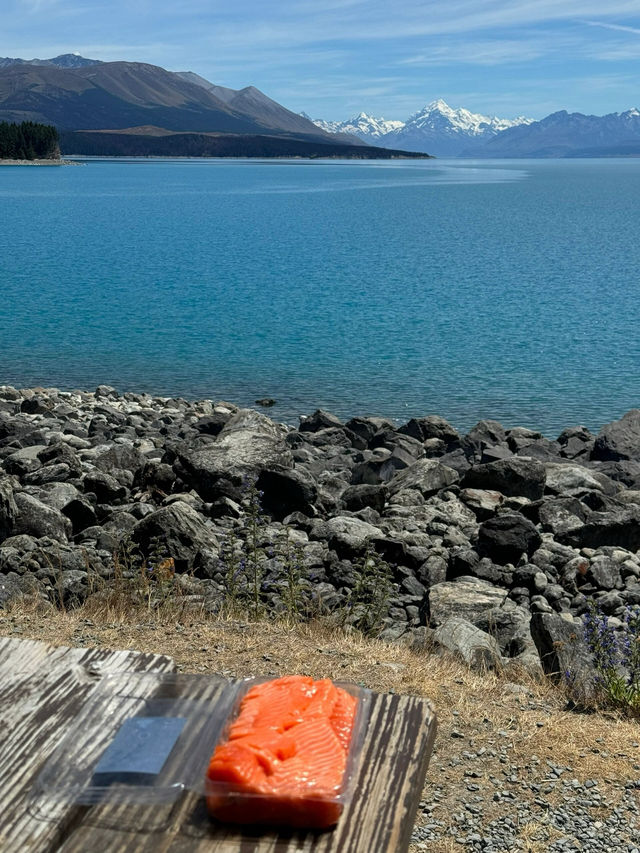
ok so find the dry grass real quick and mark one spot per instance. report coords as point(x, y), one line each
point(528, 723)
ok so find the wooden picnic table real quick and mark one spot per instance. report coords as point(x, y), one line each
point(42, 690)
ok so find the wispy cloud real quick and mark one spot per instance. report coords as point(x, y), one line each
point(619, 27)
point(496, 52)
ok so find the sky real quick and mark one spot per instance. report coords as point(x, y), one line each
point(336, 58)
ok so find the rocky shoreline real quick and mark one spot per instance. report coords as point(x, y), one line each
point(496, 540)
point(47, 162)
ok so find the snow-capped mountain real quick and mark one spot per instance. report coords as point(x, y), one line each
point(437, 129)
point(364, 126)
point(447, 132)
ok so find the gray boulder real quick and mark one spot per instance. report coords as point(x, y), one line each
point(511, 477)
point(37, 519)
point(562, 515)
point(468, 643)
point(564, 655)
point(426, 476)
point(319, 420)
point(8, 509)
point(176, 531)
point(483, 502)
point(349, 536)
point(567, 479)
point(24, 461)
point(466, 597)
point(508, 624)
point(248, 444)
point(619, 439)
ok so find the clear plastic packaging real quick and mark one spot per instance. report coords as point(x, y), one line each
point(141, 738)
point(145, 738)
point(305, 808)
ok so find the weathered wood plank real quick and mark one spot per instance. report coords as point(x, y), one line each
point(380, 817)
point(42, 689)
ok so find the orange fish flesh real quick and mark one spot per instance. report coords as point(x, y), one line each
point(284, 759)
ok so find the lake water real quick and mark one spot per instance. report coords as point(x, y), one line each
point(469, 289)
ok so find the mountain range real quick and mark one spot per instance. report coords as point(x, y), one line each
point(137, 108)
point(123, 100)
point(448, 132)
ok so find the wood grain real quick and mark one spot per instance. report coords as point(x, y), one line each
point(42, 689)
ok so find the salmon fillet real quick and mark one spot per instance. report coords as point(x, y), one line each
point(284, 759)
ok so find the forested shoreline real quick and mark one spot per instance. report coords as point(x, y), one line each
point(28, 141)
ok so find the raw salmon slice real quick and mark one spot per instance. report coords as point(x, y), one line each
point(285, 755)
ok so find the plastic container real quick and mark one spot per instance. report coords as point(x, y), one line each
point(145, 738)
point(306, 808)
point(140, 738)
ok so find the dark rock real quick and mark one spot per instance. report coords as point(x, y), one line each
point(485, 434)
point(36, 405)
point(155, 475)
point(48, 474)
point(81, 514)
point(433, 570)
point(365, 428)
point(359, 496)
point(212, 424)
point(576, 442)
point(286, 491)
point(13, 587)
point(430, 427)
point(505, 538)
point(620, 527)
point(518, 477)
point(564, 656)
point(105, 487)
point(266, 402)
point(60, 452)
point(319, 420)
point(521, 437)
point(505, 623)
point(494, 453)
point(24, 461)
point(619, 439)
point(625, 471)
point(118, 458)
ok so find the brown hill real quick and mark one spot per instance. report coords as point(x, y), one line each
point(116, 95)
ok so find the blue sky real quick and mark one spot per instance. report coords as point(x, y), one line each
point(337, 57)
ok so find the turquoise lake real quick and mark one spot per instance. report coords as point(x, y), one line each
point(469, 289)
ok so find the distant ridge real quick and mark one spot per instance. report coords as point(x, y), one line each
point(65, 60)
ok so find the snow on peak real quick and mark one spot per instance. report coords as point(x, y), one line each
point(438, 115)
point(362, 125)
